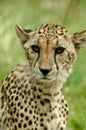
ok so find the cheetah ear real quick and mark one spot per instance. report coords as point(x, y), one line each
point(79, 40)
point(23, 34)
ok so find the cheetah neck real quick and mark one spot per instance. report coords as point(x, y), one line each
point(51, 88)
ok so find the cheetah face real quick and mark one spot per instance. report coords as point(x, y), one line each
point(49, 59)
point(50, 50)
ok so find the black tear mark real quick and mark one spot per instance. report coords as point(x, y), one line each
point(55, 62)
point(37, 59)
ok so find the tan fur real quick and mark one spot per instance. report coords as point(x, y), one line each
point(30, 96)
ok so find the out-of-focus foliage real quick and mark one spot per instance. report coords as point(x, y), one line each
point(31, 14)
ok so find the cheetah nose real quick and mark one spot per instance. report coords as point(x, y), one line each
point(45, 71)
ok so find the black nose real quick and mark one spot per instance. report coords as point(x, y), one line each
point(45, 71)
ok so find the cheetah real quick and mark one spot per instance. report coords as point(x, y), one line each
point(31, 96)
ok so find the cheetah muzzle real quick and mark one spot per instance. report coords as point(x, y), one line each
point(30, 96)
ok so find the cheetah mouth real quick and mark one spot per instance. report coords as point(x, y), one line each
point(45, 78)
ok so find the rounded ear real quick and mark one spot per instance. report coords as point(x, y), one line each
point(23, 34)
point(79, 40)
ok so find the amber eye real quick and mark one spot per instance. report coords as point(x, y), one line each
point(59, 50)
point(35, 48)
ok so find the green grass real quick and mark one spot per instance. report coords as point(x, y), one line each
point(31, 14)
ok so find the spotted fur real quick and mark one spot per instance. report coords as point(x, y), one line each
point(30, 96)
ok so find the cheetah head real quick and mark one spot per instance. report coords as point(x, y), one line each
point(51, 51)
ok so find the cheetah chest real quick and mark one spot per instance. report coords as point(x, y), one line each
point(34, 110)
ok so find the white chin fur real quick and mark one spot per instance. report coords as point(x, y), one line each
point(60, 77)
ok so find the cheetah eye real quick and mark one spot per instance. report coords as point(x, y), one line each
point(35, 48)
point(59, 50)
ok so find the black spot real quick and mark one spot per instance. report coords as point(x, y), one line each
point(64, 115)
point(16, 120)
point(41, 124)
point(41, 119)
point(45, 128)
point(65, 105)
point(25, 101)
point(24, 41)
point(56, 26)
point(15, 83)
point(35, 102)
point(30, 122)
point(25, 125)
point(12, 81)
point(25, 109)
point(47, 100)
point(30, 111)
point(20, 93)
point(40, 90)
point(19, 103)
point(59, 115)
point(38, 96)
point(11, 104)
point(39, 32)
point(2, 105)
point(42, 103)
point(34, 88)
point(17, 114)
point(15, 127)
point(54, 107)
point(22, 96)
point(62, 100)
point(11, 113)
point(18, 87)
point(34, 117)
point(31, 99)
point(21, 107)
point(35, 107)
point(67, 112)
point(13, 120)
point(63, 122)
point(56, 94)
point(25, 92)
point(29, 103)
point(37, 118)
point(52, 117)
point(7, 78)
point(41, 114)
point(32, 106)
point(14, 92)
point(7, 124)
point(19, 125)
point(2, 98)
point(45, 114)
point(26, 118)
point(8, 84)
point(34, 122)
point(61, 128)
point(22, 115)
point(12, 97)
point(16, 98)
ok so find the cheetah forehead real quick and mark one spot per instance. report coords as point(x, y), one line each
point(52, 30)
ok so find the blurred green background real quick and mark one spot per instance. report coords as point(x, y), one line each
point(31, 14)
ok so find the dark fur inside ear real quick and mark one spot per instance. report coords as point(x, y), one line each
point(79, 40)
point(23, 34)
point(27, 30)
